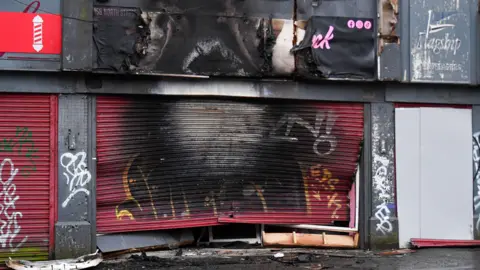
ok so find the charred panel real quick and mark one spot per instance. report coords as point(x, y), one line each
point(224, 38)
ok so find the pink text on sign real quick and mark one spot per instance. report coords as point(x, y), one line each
point(319, 41)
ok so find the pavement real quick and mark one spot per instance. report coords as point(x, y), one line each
point(315, 259)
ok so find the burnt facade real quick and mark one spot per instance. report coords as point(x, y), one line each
point(179, 115)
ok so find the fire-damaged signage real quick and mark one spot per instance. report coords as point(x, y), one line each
point(339, 47)
point(31, 35)
point(229, 39)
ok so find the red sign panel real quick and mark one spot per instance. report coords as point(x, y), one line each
point(30, 33)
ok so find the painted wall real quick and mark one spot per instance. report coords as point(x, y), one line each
point(426, 191)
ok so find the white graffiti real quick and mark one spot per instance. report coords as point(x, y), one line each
point(383, 216)
point(383, 188)
point(9, 228)
point(76, 173)
point(476, 176)
point(436, 44)
point(290, 119)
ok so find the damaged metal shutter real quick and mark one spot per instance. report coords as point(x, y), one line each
point(28, 128)
point(169, 163)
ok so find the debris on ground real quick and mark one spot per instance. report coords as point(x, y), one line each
point(396, 252)
point(83, 262)
point(313, 259)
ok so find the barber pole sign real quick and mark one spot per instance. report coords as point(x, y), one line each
point(37, 33)
point(30, 33)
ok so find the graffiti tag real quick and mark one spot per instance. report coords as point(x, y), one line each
point(381, 186)
point(22, 144)
point(76, 173)
point(476, 176)
point(9, 228)
point(323, 181)
point(290, 119)
point(383, 216)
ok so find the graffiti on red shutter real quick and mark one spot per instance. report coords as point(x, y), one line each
point(21, 144)
point(320, 186)
point(256, 162)
point(9, 228)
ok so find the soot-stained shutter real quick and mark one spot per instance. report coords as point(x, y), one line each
point(170, 163)
point(28, 128)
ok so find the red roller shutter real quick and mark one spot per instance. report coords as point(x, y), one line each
point(28, 128)
point(169, 163)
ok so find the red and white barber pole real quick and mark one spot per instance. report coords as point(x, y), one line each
point(37, 33)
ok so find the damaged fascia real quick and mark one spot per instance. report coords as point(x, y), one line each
point(388, 15)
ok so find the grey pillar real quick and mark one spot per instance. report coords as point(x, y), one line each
point(476, 171)
point(75, 228)
point(77, 35)
point(383, 219)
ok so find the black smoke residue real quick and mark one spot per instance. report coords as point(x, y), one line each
point(199, 157)
point(214, 37)
point(120, 38)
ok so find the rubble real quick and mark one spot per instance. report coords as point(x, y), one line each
point(83, 262)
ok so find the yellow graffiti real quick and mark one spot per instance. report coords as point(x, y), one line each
point(332, 200)
point(129, 197)
point(210, 202)
point(317, 180)
point(123, 213)
point(125, 180)
point(260, 195)
point(172, 205)
point(327, 183)
point(185, 203)
point(145, 180)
